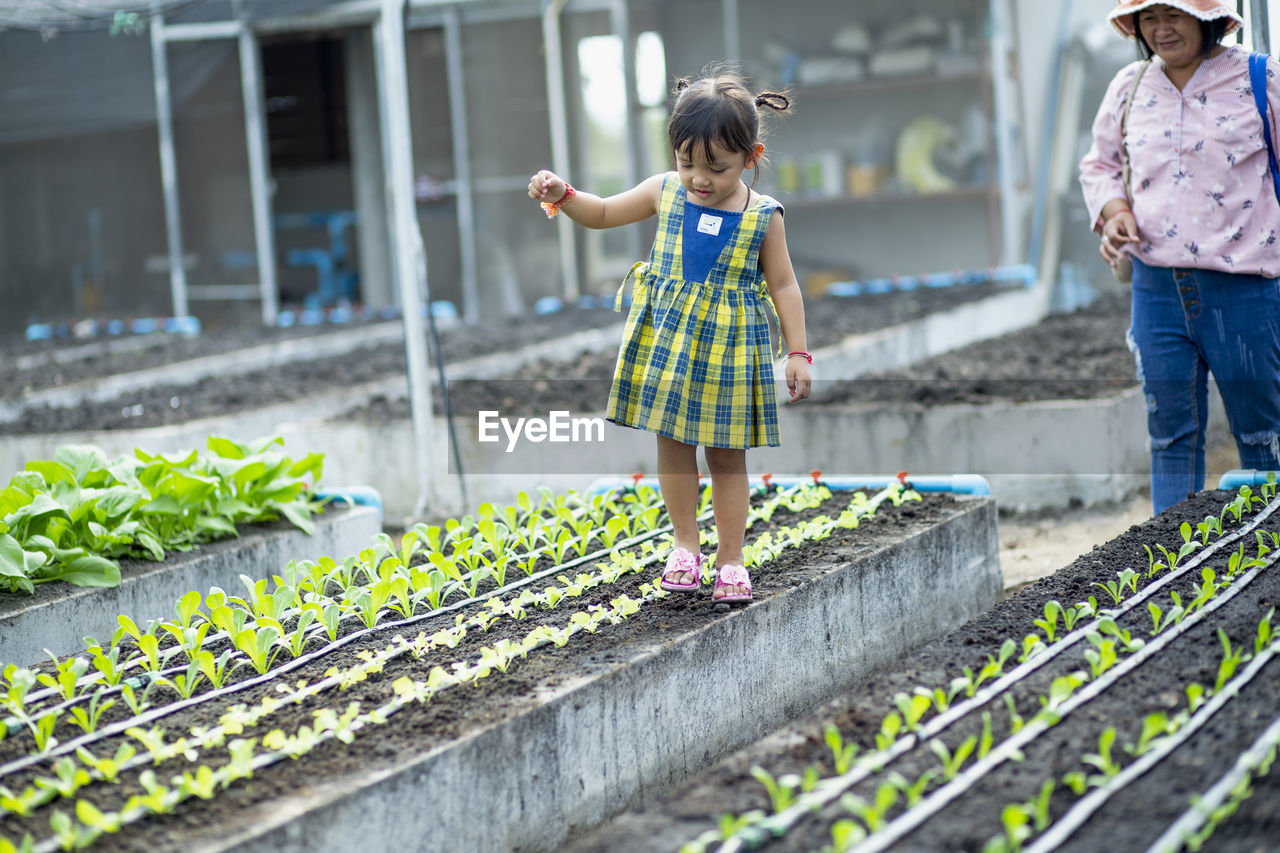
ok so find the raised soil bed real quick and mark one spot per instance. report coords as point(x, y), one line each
point(59, 616)
point(569, 735)
point(1130, 820)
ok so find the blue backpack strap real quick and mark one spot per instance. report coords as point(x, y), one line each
point(1258, 82)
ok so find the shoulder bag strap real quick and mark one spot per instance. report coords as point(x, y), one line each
point(1125, 168)
point(1258, 82)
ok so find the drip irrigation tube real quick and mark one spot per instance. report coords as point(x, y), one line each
point(939, 799)
point(1074, 817)
point(830, 789)
point(1207, 803)
point(159, 713)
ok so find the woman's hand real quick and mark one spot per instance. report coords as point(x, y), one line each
point(546, 187)
point(1120, 229)
point(799, 378)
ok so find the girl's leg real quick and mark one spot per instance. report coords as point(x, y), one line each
point(678, 480)
point(731, 499)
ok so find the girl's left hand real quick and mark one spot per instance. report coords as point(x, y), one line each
point(799, 379)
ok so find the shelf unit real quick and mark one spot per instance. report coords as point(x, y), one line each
point(871, 221)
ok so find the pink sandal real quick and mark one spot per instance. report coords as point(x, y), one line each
point(682, 560)
point(733, 576)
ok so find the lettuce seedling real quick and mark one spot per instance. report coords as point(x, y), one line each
point(66, 674)
point(87, 718)
point(1231, 660)
point(953, 761)
point(1102, 759)
point(781, 790)
point(1153, 726)
point(912, 709)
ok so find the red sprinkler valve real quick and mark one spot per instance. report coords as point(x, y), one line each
point(815, 474)
point(765, 478)
point(637, 477)
point(902, 477)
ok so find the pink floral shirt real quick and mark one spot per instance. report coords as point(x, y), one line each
point(1201, 189)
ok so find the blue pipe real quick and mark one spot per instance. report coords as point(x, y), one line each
point(963, 484)
point(1237, 477)
point(353, 496)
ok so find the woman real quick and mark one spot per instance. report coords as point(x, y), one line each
point(1200, 218)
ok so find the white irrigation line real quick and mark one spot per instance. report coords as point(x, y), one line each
point(172, 651)
point(910, 820)
point(266, 759)
point(832, 788)
point(1084, 808)
point(1203, 807)
point(121, 726)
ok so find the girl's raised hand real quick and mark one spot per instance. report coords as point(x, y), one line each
point(546, 187)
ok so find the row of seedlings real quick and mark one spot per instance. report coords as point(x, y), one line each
point(932, 753)
point(455, 644)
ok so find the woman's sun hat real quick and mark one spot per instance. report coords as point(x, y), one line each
point(1122, 18)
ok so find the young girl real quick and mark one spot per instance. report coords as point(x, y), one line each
point(694, 366)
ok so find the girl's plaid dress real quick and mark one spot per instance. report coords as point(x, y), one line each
point(695, 359)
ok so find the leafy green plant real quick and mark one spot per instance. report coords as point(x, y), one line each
point(953, 761)
point(842, 754)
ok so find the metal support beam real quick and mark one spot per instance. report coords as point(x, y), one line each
point(168, 166)
point(1261, 25)
point(559, 117)
point(462, 164)
point(1011, 200)
point(620, 19)
point(410, 256)
point(255, 124)
point(732, 30)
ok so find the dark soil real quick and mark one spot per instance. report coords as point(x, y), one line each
point(1076, 356)
point(829, 319)
point(456, 712)
point(1129, 822)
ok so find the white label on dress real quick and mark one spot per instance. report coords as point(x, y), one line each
point(709, 224)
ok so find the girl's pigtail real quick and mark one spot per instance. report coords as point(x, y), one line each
point(776, 101)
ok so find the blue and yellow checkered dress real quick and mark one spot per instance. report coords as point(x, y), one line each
point(695, 360)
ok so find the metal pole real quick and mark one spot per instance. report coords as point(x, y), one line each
point(410, 257)
point(1010, 209)
point(1261, 25)
point(168, 166)
point(619, 15)
point(732, 32)
point(259, 166)
point(462, 163)
point(559, 116)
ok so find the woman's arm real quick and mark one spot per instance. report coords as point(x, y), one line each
point(784, 289)
point(639, 202)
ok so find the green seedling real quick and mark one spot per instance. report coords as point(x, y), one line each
point(781, 790)
point(1102, 656)
point(87, 717)
point(1109, 627)
point(108, 768)
point(842, 754)
point(871, 813)
point(912, 708)
point(953, 761)
point(1231, 660)
point(1049, 624)
point(1102, 759)
point(1154, 725)
point(913, 791)
point(66, 674)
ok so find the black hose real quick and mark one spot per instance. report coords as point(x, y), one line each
point(437, 355)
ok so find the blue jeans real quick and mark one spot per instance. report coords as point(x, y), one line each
point(1186, 324)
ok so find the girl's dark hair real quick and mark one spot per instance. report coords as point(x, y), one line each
point(1211, 32)
point(718, 109)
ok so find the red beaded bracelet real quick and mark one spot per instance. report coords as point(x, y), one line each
point(806, 355)
point(553, 207)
